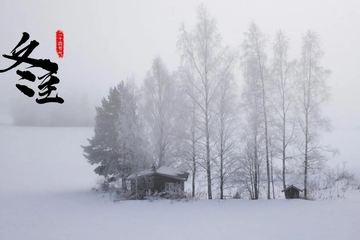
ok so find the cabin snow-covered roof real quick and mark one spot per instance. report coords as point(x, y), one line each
point(292, 186)
point(163, 171)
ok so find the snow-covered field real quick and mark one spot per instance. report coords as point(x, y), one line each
point(45, 193)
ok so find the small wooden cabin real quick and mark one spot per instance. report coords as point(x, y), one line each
point(161, 180)
point(292, 192)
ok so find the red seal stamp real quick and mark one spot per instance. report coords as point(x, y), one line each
point(60, 43)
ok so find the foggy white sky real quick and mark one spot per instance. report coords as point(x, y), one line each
point(108, 41)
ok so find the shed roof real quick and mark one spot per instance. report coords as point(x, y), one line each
point(293, 187)
point(163, 171)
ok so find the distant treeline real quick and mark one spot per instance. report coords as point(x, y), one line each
point(75, 111)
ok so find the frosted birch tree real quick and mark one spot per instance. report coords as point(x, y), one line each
point(253, 50)
point(133, 147)
point(159, 92)
point(251, 155)
point(312, 93)
point(226, 133)
point(191, 134)
point(201, 52)
point(282, 99)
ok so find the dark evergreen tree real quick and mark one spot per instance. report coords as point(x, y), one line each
point(103, 148)
point(117, 146)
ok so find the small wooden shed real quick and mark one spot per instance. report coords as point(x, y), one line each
point(157, 180)
point(292, 192)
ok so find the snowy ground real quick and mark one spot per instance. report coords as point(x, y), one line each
point(45, 193)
